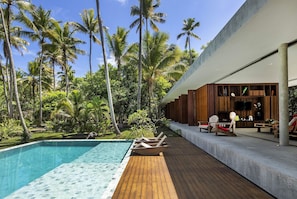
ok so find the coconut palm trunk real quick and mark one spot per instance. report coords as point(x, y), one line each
point(40, 88)
point(140, 58)
point(90, 54)
point(106, 71)
point(190, 51)
point(26, 131)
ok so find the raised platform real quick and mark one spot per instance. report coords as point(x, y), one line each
point(265, 163)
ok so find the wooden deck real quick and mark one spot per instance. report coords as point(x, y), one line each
point(146, 177)
point(183, 171)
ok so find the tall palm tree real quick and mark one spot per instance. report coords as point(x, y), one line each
point(148, 12)
point(110, 102)
point(30, 80)
point(62, 76)
point(53, 54)
point(139, 54)
point(90, 27)
point(13, 34)
point(40, 24)
point(145, 10)
point(119, 46)
point(188, 26)
point(62, 38)
point(158, 59)
point(25, 129)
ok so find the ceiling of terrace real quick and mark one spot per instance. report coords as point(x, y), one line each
point(245, 51)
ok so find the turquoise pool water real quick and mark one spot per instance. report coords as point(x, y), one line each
point(24, 170)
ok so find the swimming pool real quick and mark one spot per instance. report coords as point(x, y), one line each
point(61, 169)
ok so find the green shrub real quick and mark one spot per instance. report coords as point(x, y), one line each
point(10, 128)
point(140, 123)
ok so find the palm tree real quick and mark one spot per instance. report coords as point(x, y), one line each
point(110, 102)
point(139, 53)
point(149, 14)
point(158, 59)
point(146, 10)
point(189, 25)
point(62, 76)
point(26, 131)
point(53, 54)
point(62, 38)
point(119, 46)
point(20, 45)
point(30, 80)
point(90, 27)
point(40, 24)
point(13, 34)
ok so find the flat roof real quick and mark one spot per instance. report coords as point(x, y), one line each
point(245, 50)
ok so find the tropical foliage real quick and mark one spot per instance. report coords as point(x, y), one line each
point(48, 94)
point(188, 27)
point(292, 100)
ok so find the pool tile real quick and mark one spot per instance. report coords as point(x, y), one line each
point(75, 180)
point(93, 175)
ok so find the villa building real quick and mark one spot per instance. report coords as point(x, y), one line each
point(253, 58)
point(247, 68)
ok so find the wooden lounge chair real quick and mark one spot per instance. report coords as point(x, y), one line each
point(227, 128)
point(153, 139)
point(208, 125)
point(292, 127)
point(143, 148)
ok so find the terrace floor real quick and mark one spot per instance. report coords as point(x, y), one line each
point(183, 171)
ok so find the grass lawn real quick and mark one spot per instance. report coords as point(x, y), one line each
point(37, 136)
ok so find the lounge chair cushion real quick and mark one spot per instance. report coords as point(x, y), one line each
point(223, 128)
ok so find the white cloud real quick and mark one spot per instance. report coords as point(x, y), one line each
point(122, 1)
point(110, 60)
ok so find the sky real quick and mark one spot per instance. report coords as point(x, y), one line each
point(212, 15)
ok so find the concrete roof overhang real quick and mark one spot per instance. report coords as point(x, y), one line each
point(245, 50)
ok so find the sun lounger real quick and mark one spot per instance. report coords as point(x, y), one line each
point(227, 128)
point(292, 127)
point(208, 125)
point(153, 139)
point(143, 148)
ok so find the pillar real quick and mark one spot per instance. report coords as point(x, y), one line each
point(283, 95)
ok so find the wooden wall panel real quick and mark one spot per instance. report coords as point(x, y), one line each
point(191, 109)
point(176, 110)
point(274, 108)
point(184, 109)
point(211, 89)
point(210, 99)
point(267, 107)
point(223, 104)
point(202, 104)
point(172, 110)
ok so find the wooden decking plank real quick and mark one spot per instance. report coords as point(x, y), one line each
point(152, 174)
point(215, 179)
point(168, 188)
point(184, 171)
point(156, 178)
point(147, 177)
